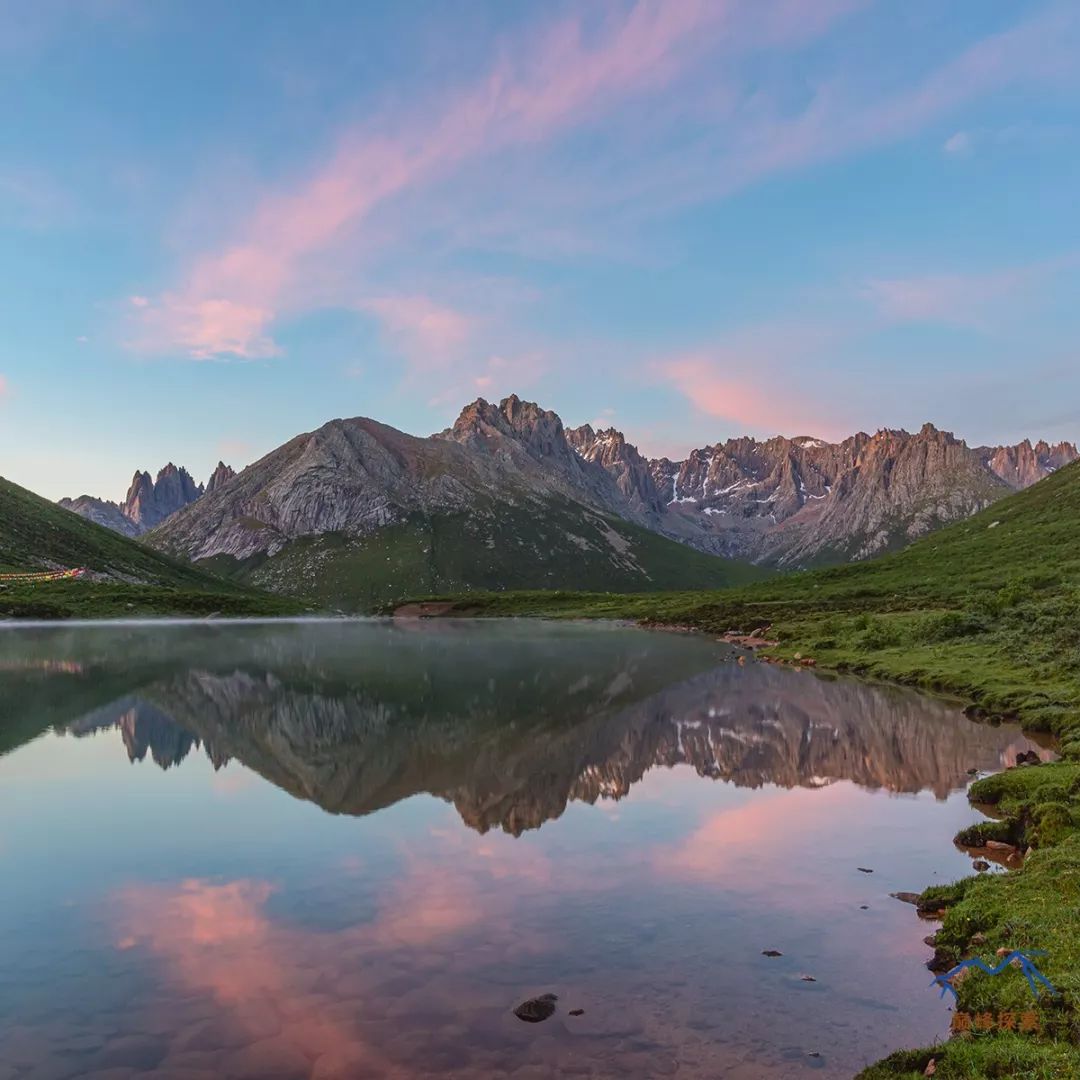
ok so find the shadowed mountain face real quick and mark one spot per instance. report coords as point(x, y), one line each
point(358, 719)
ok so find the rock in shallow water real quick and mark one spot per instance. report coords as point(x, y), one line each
point(536, 1009)
point(906, 897)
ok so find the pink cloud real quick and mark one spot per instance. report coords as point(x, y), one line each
point(207, 328)
point(229, 299)
point(764, 378)
point(426, 332)
point(290, 249)
point(723, 387)
point(3, 388)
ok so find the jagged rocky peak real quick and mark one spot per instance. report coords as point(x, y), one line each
point(1022, 465)
point(514, 428)
point(149, 503)
point(219, 477)
point(539, 430)
point(631, 472)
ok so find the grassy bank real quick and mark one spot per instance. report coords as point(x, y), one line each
point(126, 578)
point(115, 600)
point(988, 610)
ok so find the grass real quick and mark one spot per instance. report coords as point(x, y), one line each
point(556, 541)
point(127, 578)
point(987, 610)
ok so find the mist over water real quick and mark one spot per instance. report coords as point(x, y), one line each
point(351, 848)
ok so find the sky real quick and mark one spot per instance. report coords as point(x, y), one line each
point(222, 225)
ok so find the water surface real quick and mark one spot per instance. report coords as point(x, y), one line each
point(350, 849)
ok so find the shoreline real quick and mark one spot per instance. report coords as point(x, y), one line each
point(1033, 906)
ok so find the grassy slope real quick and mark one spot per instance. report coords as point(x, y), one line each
point(988, 609)
point(457, 553)
point(36, 534)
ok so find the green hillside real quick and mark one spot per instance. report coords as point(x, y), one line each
point(988, 609)
point(561, 545)
point(126, 577)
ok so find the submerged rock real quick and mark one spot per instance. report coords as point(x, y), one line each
point(537, 1009)
point(906, 897)
point(771, 952)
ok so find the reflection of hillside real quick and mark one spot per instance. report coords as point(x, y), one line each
point(353, 751)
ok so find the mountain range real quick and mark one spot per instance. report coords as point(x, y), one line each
point(149, 502)
point(357, 512)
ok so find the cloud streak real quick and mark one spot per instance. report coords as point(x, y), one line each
point(427, 332)
point(971, 300)
point(228, 300)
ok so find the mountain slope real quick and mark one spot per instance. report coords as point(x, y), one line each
point(125, 577)
point(358, 513)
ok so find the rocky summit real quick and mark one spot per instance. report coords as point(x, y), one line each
point(149, 501)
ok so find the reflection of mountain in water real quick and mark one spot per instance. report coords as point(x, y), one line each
point(354, 751)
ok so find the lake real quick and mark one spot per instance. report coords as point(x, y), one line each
point(352, 848)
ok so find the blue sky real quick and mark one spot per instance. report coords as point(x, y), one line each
point(222, 225)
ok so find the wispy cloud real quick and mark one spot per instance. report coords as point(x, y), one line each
point(376, 186)
point(563, 78)
point(747, 402)
point(958, 144)
point(3, 388)
point(426, 332)
point(763, 379)
point(973, 300)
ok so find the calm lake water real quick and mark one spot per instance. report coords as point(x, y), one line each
point(350, 849)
